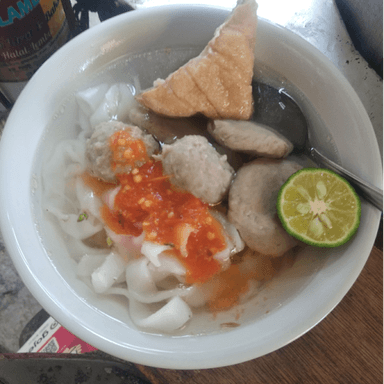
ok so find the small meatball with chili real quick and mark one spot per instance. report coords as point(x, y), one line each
point(99, 156)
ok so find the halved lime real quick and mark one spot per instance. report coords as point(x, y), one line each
point(319, 207)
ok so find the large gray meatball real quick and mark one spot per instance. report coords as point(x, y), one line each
point(252, 205)
point(99, 155)
point(198, 168)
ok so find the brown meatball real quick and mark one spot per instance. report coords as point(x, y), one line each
point(250, 138)
point(252, 205)
point(198, 168)
point(167, 130)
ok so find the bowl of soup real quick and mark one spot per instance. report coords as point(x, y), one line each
point(121, 290)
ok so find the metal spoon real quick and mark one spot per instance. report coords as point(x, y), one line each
point(276, 109)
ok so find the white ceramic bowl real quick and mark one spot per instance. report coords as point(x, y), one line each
point(291, 306)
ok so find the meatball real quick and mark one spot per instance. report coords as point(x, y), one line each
point(250, 138)
point(252, 205)
point(99, 155)
point(198, 168)
point(167, 130)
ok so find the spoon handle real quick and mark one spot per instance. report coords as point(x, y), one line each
point(371, 193)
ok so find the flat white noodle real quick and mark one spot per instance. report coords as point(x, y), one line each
point(232, 238)
point(230, 231)
point(78, 249)
point(197, 296)
point(137, 85)
point(201, 293)
point(67, 160)
point(168, 318)
point(142, 290)
point(69, 222)
point(139, 278)
point(126, 101)
point(91, 98)
point(84, 125)
point(79, 230)
point(115, 105)
point(88, 264)
point(153, 250)
point(150, 298)
point(168, 266)
point(109, 197)
point(88, 201)
point(224, 257)
point(59, 175)
point(111, 271)
point(158, 298)
point(253, 289)
point(184, 231)
point(127, 246)
point(143, 277)
point(107, 109)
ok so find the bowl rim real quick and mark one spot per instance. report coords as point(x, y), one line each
point(191, 358)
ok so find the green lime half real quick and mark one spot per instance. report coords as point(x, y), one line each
point(319, 207)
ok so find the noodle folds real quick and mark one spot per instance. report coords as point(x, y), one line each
point(146, 272)
point(137, 235)
point(144, 200)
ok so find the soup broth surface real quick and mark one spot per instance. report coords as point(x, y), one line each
point(138, 71)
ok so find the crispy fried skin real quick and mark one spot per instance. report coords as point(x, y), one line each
point(217, 83)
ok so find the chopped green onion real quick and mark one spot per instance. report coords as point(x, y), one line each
point(82, 216)
point(109, 241)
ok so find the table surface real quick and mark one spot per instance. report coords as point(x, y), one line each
point(346, 347)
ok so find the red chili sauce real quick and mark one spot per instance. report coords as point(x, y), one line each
point(148, 201)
